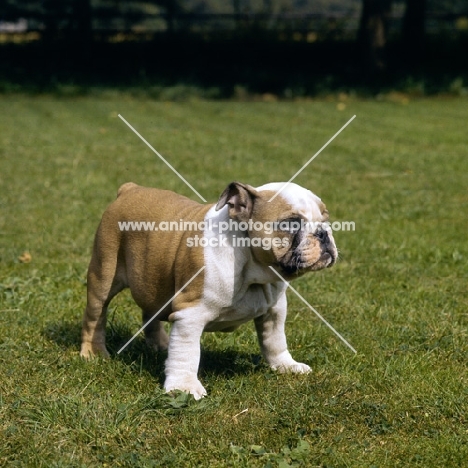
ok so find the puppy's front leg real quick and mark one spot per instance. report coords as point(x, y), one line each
point(184, 353)
point(270, 332)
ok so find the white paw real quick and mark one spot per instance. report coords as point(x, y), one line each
point(293, 368)
point(188, 384)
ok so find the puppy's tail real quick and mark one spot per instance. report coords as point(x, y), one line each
point(125, 188)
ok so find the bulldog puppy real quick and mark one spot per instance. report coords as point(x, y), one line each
point(234, 243)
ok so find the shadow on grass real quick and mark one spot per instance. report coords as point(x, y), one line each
point(138, 356)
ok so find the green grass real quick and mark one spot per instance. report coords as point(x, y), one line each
point(398, 294)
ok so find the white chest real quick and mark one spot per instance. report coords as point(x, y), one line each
point(255, 301)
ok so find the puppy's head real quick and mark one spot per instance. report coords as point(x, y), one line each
point(290, 231)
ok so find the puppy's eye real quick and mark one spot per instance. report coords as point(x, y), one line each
point(292, 225)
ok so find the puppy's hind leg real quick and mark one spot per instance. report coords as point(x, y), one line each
point(103, 284)
point(156, 336)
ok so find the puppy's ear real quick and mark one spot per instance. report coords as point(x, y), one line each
point(323, 211)
point(240, 198)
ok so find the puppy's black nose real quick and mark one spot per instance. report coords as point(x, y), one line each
point(321, 235)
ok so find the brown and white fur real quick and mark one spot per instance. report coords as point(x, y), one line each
point(236, 285)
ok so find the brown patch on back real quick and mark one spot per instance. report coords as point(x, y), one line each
point(155, 262)
point(125, 187)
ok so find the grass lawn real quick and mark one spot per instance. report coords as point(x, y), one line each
point(399, 171)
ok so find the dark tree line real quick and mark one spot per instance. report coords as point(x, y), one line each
point(373, 31)
point(76, 18)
